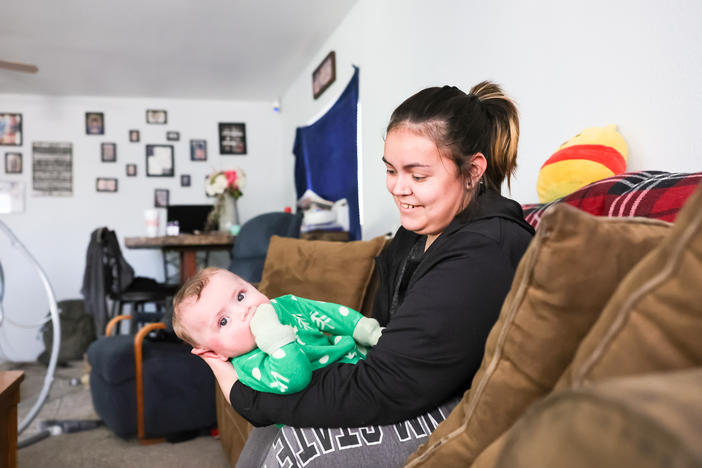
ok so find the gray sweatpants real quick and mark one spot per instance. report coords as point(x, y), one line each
point(371, 446)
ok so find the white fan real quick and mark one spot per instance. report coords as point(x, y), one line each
point(17, 66)
point(53, 316)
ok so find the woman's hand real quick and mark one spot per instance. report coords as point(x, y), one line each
point(224, 373)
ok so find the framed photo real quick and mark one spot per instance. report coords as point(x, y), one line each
point(106, 184)
point(12, 194)
point(198, 150)
point(173, 136)
point(52, 169)
point(10, 129)
point(160, 198)
point(108, 152)
point(134, 136)
point(156, 116)
point(131, 170)
point(159, 161)
point(324, 75)
point(185, 180)
point(13, 163)
point(232, 138)
point(94, 123)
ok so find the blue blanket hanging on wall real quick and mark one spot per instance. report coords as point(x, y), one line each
point(326, 155)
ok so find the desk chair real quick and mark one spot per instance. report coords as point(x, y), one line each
point(109, 276)
point(251, 245)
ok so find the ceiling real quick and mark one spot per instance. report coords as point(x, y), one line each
point(200, 49)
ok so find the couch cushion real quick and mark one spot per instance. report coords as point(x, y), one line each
point(653, 322)
point(322, 270)
point(652, 420)
point(566, 276)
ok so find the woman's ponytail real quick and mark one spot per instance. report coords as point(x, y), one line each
point(504, 120)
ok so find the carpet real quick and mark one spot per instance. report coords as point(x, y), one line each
point(69, 398)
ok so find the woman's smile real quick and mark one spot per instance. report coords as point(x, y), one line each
point(407, 206)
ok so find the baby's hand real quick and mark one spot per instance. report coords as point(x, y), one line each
point(269, 333)
point(367, 331)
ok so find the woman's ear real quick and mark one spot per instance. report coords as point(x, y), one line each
point(478, 164)
point(207, 353)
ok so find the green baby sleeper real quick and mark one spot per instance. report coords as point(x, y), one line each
point(319, 333)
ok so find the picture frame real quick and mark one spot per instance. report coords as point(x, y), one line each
point(106, 184)
point(324, 75)
point(156, 116)
point(131, 170)
point(198, 150)
point(185, 180)
point(13, 163)
point(10, 129)
point(159, 161)
point(232, 138)
point(13, 194)
point(52, 169)
point(108, 152)
point(94, 123)
point(134, 136)
point(172, 136)
point(161, 198)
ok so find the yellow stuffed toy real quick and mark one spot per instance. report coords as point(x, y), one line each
point(593, 154)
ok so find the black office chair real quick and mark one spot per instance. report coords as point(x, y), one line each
point(251, 244)
point(109, 276)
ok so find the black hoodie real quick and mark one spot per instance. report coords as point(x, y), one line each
point(434, 338)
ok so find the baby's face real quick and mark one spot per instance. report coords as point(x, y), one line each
point(219, 320)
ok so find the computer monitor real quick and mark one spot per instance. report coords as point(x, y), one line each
point(190, 218)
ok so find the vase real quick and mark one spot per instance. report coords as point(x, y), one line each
point(228, 214)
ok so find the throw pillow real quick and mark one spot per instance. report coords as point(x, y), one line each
point(653, 194)
point(593, 154)
point(322, 270)
point(653, 322)
point(566, 276)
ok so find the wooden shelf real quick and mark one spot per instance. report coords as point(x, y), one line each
point(9, 399)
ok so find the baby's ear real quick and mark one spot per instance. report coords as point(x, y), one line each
point(207, 353)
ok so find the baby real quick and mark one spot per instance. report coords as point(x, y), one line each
point(273, 345)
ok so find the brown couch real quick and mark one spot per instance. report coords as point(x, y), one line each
point(595, 359)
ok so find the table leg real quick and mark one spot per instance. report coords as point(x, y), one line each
point(188, 264)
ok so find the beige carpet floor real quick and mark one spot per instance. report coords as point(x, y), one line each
point(70, 399)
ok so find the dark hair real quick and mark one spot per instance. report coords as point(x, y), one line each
point(482, 121)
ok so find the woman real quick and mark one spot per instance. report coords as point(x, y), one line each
point(443, 280)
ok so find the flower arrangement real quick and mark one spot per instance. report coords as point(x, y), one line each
point(227, 187)
point(222, 183)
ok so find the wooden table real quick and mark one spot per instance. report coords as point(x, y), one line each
point(9, 399)
point(187, 244)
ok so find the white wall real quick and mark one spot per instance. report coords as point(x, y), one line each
point(569, 65)
point(57, 230)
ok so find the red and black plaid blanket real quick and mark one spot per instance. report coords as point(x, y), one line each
point(652, 194)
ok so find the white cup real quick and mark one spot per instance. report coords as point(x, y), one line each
point(152, 221)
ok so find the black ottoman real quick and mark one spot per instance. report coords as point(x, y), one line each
point(179, 388)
